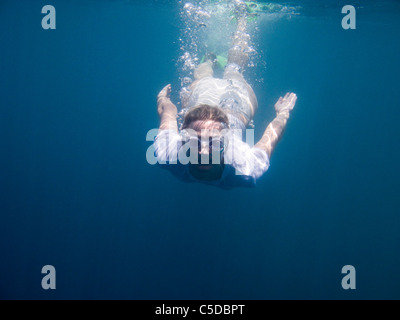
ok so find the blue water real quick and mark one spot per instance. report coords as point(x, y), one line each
point(76, 191)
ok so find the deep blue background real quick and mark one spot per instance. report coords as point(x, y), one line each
point(77, 193)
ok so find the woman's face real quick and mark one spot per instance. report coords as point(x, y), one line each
point(205, 130)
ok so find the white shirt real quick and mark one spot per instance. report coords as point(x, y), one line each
point(243, 164)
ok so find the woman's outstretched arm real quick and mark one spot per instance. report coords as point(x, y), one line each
point(275, 129)
point(167, 111)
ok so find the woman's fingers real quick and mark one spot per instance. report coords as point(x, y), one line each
point(290, 97)
point(165, 92)
point(168, 89)
point(163, 98)
point(292, 100)
point(287, 102)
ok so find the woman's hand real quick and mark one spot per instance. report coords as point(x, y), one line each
point(286, 104)
point(275, 129)
point(164, 103)
point(164, 93)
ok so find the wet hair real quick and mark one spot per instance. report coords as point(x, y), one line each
point(204, 113)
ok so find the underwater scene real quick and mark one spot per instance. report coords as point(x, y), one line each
point(88, 211)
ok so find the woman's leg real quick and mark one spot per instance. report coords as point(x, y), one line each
point(238, 53)
point(238, 56)
point(204, 70)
